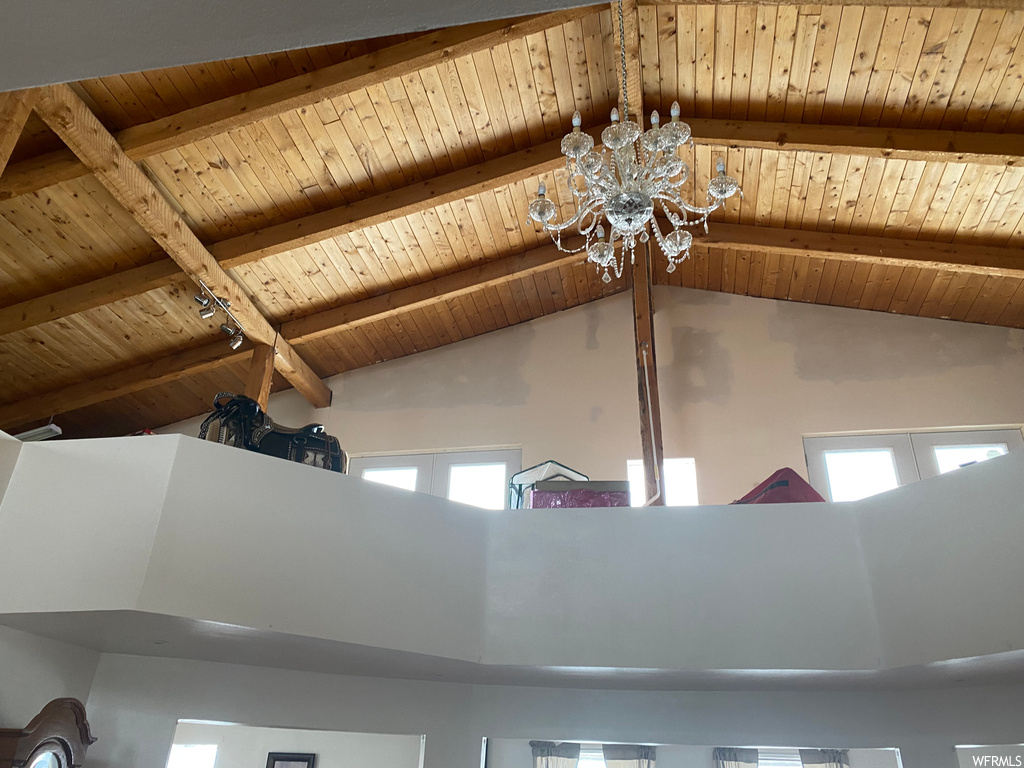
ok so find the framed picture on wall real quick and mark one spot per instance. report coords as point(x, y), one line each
point(291, 760)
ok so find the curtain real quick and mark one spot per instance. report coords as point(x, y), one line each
point(727, 757)
point(825, 758)
point(547, 754)
point(628, 756)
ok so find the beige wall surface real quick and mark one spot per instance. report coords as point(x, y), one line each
point(742, 381)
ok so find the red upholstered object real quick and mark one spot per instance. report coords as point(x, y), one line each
point(784, 487)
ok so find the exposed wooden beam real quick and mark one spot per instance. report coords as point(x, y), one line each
point(647, 379)
point(120, 383)
point(15, 107)
point(494, 273)
point(958, 257)
point(232, 112)
point(283, 237)
point(907, 144)
point(897, 143)
point(96, 293)
point(79, 128)
point(261, 374)
point(346, 317)
point(1008, 5)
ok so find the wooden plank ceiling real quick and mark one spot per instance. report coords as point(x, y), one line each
point(369, 198)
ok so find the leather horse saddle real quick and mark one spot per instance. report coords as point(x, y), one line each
point(243, 424)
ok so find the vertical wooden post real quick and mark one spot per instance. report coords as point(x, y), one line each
point(15, 107)
point(647, 377)
point(261, 372)
point(643, 308)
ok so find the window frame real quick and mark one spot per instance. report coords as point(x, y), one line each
point(913, 453)
point(691, 461)
point(433, 469)
point(422, 462)
point(925, 444)
point(512, 458)
point(899, 443)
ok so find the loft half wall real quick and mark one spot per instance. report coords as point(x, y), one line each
point(168, 545)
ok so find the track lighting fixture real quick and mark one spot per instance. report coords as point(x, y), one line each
point(209, 304)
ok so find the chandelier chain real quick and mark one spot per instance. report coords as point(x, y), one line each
point(622, 56)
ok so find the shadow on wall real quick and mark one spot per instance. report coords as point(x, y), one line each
point(481, 373)
point(838, 344)
point(700, 370)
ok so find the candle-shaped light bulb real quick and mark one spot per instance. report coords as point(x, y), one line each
point(655, 119)
point(675, 110)
point(577, 120)
point(615, 115)
point(600, 232)
point(721, 165)
point(541, 189)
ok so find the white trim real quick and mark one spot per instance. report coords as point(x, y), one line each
point(443, 462)
point(423, 463)
point(815, 449)
point(926, 442)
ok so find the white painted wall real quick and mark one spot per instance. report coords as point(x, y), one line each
point(240, 746)
point(516, 753)
point(742, 381)
point(136, 701)
point(35, 670)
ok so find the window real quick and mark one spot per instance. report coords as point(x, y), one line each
point(679, 482)
point(852, 467)
point(478, 478)
point(778, 758)
point(591, 756)
point(192, 756)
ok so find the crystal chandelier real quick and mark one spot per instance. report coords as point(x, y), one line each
point(634, 173)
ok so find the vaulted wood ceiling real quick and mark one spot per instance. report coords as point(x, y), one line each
point(369, 199)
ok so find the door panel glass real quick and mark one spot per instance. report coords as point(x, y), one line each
point(950, 457)
point(482, 485)
point(854, 475)
point(398, 477)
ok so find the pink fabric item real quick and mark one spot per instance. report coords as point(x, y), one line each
point(784, 487)
point(578, 499)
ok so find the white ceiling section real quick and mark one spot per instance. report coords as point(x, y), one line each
point(54, 41)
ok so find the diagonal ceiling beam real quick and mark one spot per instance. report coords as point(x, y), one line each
point(283, 237)
point(905, 144)
point(15, 107)
point(232, 112)
point(348, 317)
point(79, 128)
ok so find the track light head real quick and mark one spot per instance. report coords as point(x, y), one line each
point(202, 300)
point(227, 329)
point(207, 312)
point(235, 341)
